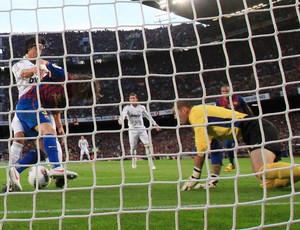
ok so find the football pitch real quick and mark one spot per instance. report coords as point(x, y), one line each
point(112, 195)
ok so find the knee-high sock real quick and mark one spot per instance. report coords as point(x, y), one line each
point(230, 155)
point(50, 146)
point(280, 173)
point(196, 173)
point(133, 153)
point(15, 152)
point(59, 149)
point(148, 153)
point(30, 158)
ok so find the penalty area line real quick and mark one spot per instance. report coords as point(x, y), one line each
point(132, 208)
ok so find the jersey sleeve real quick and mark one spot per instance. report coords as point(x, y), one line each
point(57, 73)
point(17, 69)
point(148, 115)
point(124, 113)
point(197, 119)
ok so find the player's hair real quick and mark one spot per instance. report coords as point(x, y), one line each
point(31, 42)
point(80, 90)
point(184, 103)
point(223, 86)
point(133, 95)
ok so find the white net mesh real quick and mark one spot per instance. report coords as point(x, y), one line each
point(250, 46)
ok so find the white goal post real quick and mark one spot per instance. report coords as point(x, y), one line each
point(164, 51)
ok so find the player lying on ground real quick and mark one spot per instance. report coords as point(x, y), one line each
point(213, 122)
point(51, 96)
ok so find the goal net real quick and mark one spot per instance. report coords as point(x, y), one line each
point(164, 51)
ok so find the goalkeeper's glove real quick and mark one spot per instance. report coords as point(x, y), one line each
point(193, 179)
point(190, 184)
point(211, 184)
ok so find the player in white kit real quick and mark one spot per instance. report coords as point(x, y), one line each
point(28, 72)
point(84, 145)
point(137, 130)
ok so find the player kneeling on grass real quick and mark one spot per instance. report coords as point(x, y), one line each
point(51, 96)
point(212, 122)
point(216, 158)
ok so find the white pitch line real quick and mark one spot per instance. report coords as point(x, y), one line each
point(135, 208)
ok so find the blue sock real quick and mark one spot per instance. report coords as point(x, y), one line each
point(216, 158)
point(230, 156)
point(50, 146)
point(30, 158)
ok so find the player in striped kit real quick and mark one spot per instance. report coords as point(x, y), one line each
point(238, 104)
point(84, 145)
point(49, 96)
point(137, 130)
point(26, 73)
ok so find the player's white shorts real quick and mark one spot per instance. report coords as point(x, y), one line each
point(84, 151)
point(135, 135)
point(16, 125)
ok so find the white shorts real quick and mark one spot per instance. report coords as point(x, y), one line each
point(84, 151)
point(135, 135)
point(16, 125)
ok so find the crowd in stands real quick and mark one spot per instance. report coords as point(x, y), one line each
point(160, 73)
point(176, 66)
point(159, 82)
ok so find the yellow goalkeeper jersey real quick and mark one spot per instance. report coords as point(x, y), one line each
point(213, 122)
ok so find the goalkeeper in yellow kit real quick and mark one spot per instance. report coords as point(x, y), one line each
point(212, 122)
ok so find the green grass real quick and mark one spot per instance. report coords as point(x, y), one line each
point(112, 195)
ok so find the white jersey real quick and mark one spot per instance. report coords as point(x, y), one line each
point(83, 143)
point(24, 84)
point(134, 115)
